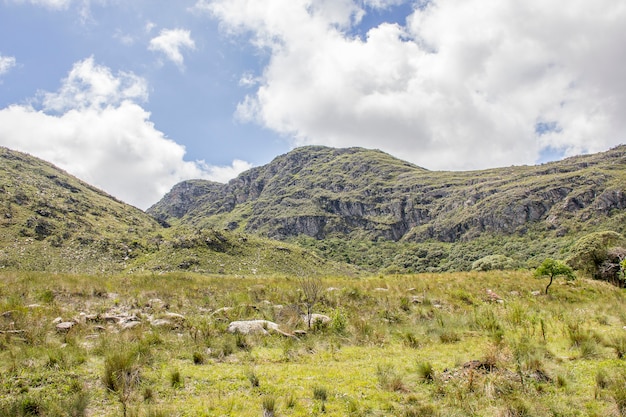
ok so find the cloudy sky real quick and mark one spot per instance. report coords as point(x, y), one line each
point(135, 96)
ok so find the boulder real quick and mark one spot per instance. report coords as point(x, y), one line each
point(316, 318)
point(65, 326)
point(253, 327)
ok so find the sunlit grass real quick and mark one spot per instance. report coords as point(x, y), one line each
point(431, 344)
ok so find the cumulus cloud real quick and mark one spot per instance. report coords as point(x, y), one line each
point(94, 128)
point(462, 85)
point(6, 63)
point(170, 42)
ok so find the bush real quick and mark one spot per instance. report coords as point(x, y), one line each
point(425, 372)
point(176, 379)
point(494, 263)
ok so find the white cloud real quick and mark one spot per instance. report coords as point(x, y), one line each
point(6, 63)
point(90, 85)
point(93, 128)
point(51, 4)
point(463, 85)
point(170, 42)
point(226, 173)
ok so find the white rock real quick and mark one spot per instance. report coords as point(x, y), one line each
point(161, 323)
point(175, 316)
point(65, 326)
point(130, 325)
point(315, 318)
point(252, 326)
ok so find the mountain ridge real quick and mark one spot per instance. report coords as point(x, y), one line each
point(367, 194)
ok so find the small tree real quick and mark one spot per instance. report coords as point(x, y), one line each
point(311, 288)
point(551, 268)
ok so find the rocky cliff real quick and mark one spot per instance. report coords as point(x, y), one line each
point(357, 193)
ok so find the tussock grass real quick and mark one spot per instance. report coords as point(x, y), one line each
point(429, 345)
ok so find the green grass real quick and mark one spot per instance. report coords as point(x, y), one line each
point(448, 351)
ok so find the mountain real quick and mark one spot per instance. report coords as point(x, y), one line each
point(369, 195)
point(52, 221)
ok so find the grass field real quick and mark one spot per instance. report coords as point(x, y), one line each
point(457, 344)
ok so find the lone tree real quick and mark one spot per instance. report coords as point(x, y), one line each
point(311, 288)
point(551, 268)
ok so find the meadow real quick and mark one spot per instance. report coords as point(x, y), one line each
point(449, 344)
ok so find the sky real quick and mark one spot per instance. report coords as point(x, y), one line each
point(136, 96)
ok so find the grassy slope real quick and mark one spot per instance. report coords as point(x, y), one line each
point(370, 361)
point(51, 221)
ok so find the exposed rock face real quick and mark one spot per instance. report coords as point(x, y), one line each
point(323, 192)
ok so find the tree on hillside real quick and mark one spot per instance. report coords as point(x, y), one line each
point(596, 254)
point(551, 268)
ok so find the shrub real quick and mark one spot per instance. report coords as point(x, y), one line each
point(269, 405)
point(198, 358)
point(425, 372)
point(121, 375)
point(493, 263)
point(176, 379)
point(253, 378)
point(410, 340)
point(320, 393)
point(388, 379)
point(338, 322)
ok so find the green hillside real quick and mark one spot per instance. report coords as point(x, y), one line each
point(51, 221)
point(371, 209)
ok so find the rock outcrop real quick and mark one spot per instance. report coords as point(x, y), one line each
point(322, 192)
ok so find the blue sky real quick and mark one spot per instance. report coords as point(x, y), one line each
point(134, 96)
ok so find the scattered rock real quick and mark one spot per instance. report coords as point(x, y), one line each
point(161, 323)
point(8, 314)
point(221, 310)
point(57, 320)
point(33, 306)
point(417, 299)
point(65, 326)
point(175, 316)
point(535, 293)
point(316, 318)
point(381, 289)
point(252, 327)
point(109, 318)
point(299, 333)
point(493, 297)
point(130, 325)
point(157, 304)
point(514, 293)
point(92, 318)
